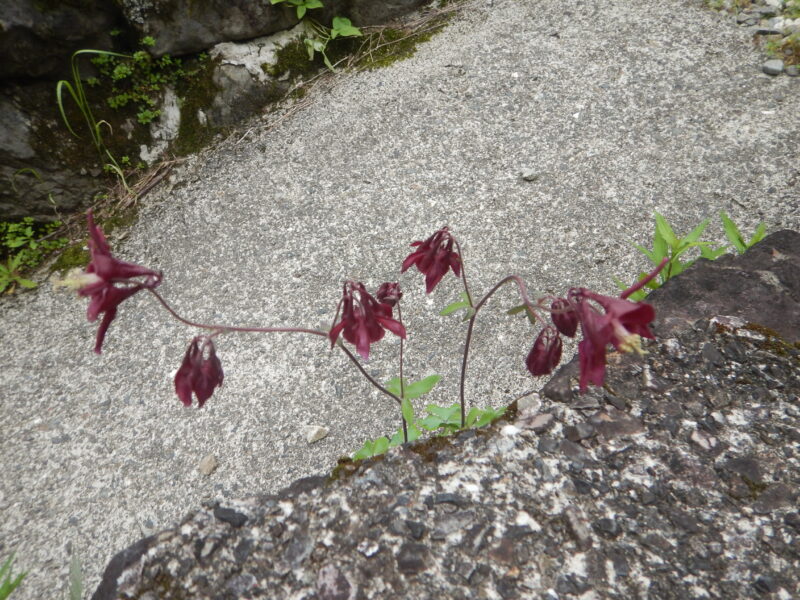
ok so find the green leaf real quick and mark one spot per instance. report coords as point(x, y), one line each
point(75, 579)
point(422, 387)
point(758, 235)
point(27, 283)
point(451, 308)
point(732, 233)
point(697, 232)
point(366, 451)
point(397, 438)
point(301, 11)
point(393, 385)
point(407, 410)
point(381, 446)
point(445, 413)
point(343, 27)
point(517, 309)
point(649, 254)
point(488, 415)
point(665, 231)
point(471, 312)
point(712, 253)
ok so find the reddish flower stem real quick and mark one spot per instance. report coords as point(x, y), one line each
point(643, 282)
point(221, 328)
point(523, 291)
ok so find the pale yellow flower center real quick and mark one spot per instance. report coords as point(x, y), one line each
point(628, 342)
point(77, 279)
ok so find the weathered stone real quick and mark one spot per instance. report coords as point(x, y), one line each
point(37, 38)
point(184, 26)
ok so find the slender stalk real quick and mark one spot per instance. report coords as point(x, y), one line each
point(222, 328)
point(643, 282)
point(231, 328)
point(402, 383)
point(464, 274)
point(367, 375)
point(525, 299)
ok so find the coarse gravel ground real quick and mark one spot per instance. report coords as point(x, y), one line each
point(622, 107)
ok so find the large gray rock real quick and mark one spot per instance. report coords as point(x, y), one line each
point(679, 479)
point(29, 128)
point(38, 37)
point(185, 26)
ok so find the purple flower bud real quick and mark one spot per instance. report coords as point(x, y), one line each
point(200, 372)
point(545, 354)
point(389, 293)
point(564, 317)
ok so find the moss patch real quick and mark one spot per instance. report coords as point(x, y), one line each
point(293, 59)
point(390, 45)
point(196, 94)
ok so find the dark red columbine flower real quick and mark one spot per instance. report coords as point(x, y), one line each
point(623, 325)
point(564, 317)
point(389, 293)
point(363, 319)
point(545, 354)
point(200, 372)
point(107, 281)
point(434, 257)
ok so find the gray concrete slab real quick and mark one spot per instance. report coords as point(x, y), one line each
point(623, 107)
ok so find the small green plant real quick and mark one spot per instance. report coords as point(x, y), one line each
point(22, 247)
point(667, 245)
point(322, 36)
point(301, 5)
point(8, 583)
point(138, 79)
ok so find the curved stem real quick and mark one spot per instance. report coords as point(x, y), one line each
point(402, 383)
point(219, 328)
point(365, 374)
point(525, 299)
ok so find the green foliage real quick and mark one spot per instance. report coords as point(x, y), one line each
point(138, 79)
point(340, 28)
point(459, 305)
point(8, 583)
point(667, 244)
point(300, 5)
point(75, 579)
point(439, 419)
point(22, 247)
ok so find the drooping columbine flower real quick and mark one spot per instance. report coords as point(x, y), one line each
point(107, 281)
point(545, 354)
point(564, 317)
point(622, 325)
point(434, 257)
point(200, 372)
point(363, 319)
point(389, 293)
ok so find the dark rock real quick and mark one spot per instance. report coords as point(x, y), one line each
point(228, 515)
point(37, 38)
point(580, 431)
point(412, 559)
point(769, 272)
point(777, 495)
point(416, 529)
point(184, 26)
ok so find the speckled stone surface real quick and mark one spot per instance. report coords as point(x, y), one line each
point(689, 491)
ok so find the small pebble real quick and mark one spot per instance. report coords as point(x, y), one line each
point(315, 433)
point(792, 71)
point(774, 66)
point(208, 465)
point(530, 175)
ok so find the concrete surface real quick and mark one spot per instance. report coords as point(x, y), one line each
point(623, 107)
